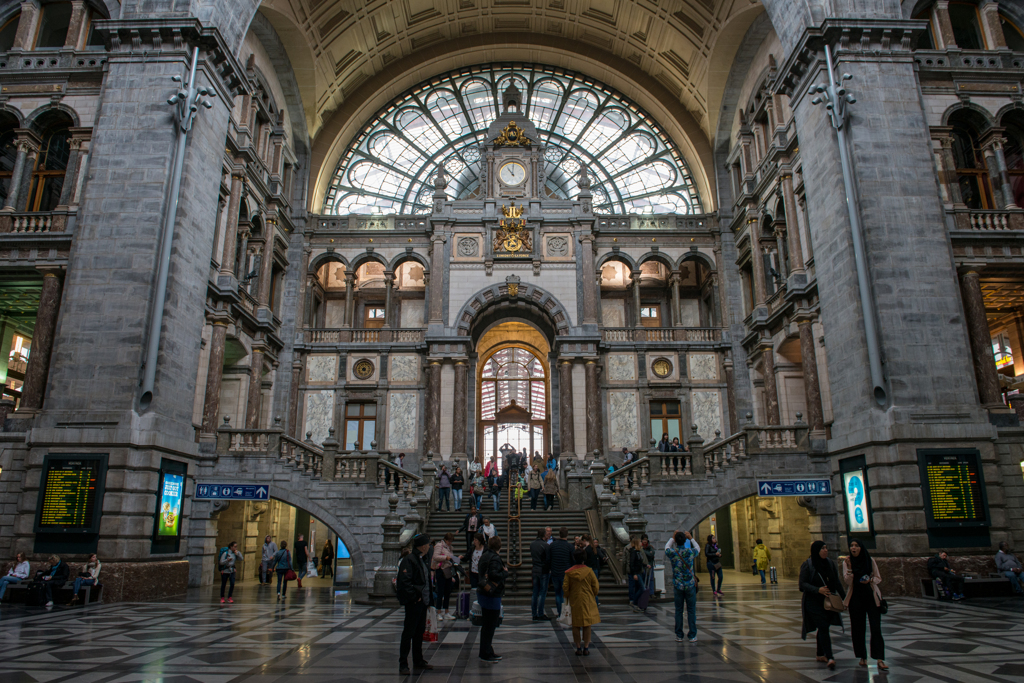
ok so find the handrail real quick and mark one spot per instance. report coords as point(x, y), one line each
point(642, 466)
point(409, 480)
point(514, 554)
point(302, 444)
point(594, 524)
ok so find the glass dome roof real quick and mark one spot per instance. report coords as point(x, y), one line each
point(390, 166)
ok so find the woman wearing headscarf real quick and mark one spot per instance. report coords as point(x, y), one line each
point(864, 599)
point(819, 577)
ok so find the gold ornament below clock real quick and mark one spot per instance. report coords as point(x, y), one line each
point(363, 369)
point(662, 368)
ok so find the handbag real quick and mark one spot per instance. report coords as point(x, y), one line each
point(716, 566)
point(833, 603)
point(884, 607)
point(565, 618)
point(290, 575)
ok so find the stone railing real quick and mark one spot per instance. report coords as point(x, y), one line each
point(247, 302)
point(636, 473)
point(987, 221)
point(407, 482)
point(776, 300)
point(301, 456)
point(661, 334)
point(34, 222)
point(357, 336)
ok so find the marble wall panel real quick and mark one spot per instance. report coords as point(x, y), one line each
point(706, 407)
point(621, 367)
point(613, 313)
point(319, 413)
point(402, 410)
point(622, 417)
point(689, 312)
point(405, 368)
point(321, 368)
point(703, 366)
point(411, 314)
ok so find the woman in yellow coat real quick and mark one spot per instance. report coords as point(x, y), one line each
point(581, 589)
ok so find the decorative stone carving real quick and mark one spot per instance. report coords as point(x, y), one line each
point(706, 407)
point(558, 246)
point(321, 368)
point(363, 369)
point(319, 414)
point(405, 368)
point(624, 429)
point(621, 367)
point(402, 410)
point(703, 366)
point(468, 247)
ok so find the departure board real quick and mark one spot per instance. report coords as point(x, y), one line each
point(69, 494)
point(954, 488)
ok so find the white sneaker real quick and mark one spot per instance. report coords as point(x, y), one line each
point(440, 616)
point(49, 604)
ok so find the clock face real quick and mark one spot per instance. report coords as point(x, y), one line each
point(512, 173)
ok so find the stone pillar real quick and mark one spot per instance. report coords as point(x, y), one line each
point(266, 264)
point(730, 388)
point(595, 428)
point(437, 285)
point(330, 461)
point(756, 262)
point(566, 424)
point(25, 144)
point(943, 26)
point(590, 287)
point(677, 315)
point(252, 415)
point(989, 14)
point(389, 286)
point(460, 413)
point(635, 282)
point(771, 391)
point(433, 407)
point(995, 159)
point(350, 299)
point(25, 37)
point(227, 259)
point(74, 39)
point(293, 398)
point(796, 257)
point(812, 390)
point(780, 247)
point(42, 343)
point(211, 404)
point(980, 338)
point(947, 170)
point(71, 173)
point(391, 546)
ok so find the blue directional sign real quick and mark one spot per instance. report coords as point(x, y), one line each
point(232, 492)
point(794, 487)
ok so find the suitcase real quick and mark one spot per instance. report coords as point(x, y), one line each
point(463, 605)
point(36, 595)
point(773, 576)
point(644, 598)
point(476, 614)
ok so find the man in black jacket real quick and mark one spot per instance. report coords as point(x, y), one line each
point(561, 560)
point(471, 525)
point(939, 568)
point(540, 554)
point(413, 589)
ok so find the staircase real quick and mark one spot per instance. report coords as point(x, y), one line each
point(519, 588)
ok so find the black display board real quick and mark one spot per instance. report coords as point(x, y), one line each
point(71, 494)
point(954, 488)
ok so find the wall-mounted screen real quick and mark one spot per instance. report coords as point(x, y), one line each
point(855, 491)
point(71, 494)
point(171, 490)
point(954, 489)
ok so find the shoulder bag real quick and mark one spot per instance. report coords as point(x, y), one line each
point(833, 603)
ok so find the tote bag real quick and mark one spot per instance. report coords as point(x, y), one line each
point(565, 619)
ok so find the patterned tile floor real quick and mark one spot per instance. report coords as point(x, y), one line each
point(316, 635)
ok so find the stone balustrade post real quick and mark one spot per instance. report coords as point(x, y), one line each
point(391, 545)
point(224, 436)
point(612, 520)
point(372, 456)
point(413, 521)
point(274, 438)
point(330, 446)
point(429, 473)
point(696, 445)
point(655, 456)
point(635, 521)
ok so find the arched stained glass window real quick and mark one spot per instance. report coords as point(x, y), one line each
point(513, 374)
point(634, 167)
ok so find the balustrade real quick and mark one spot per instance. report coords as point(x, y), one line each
point(661, 334)
point(345, 336)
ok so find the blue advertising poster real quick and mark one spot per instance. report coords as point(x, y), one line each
point(170, 504)
point(343, 553)
point(855, 490)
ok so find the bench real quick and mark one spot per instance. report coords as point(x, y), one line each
point(18, 592)
point(973, 588)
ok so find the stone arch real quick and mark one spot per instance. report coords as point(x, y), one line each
point(531, 303)
point(48, 108)
point(616, 256)
point(700, 256)
point(739, 489)
point(660, 257)
point(971, 107)
point(409, 256)
point(299, 500)
point(1010, 108)
point(13, 112)
point(317, 262)
point(367, 257)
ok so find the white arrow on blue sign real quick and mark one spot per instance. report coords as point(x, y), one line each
point(794, 487)
point(232, 492)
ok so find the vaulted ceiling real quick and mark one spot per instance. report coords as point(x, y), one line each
point(351, 58)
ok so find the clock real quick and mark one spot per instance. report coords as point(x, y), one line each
point(513, 173)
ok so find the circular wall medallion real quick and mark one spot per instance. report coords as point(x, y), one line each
point(662, 367)
point(363, 369)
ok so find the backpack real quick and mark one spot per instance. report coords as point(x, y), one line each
point(221, 560)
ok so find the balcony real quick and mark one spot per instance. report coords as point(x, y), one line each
point(348, 336)
point(973, 220)
point(34, 222)
point(661, 334)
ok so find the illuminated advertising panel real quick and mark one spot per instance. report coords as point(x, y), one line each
point(855, 490)
point(171, 490)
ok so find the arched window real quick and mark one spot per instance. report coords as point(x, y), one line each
point(966, 26)
point(971, 172)
point(1013, 36)
point(53, 25)
point(1013, 151)
point(51, 164)
point(8, 31)
point(513, 402)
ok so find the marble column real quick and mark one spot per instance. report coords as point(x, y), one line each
point(460, 412)
point(227, 259)
point(677, 315)
point(389, 289)
point(796, 257)
point(437, 269)
point(980, 338)
point(42, 343)
point(771, 390)
point(25, 36)
point(252, 408)
point(71, 171)
point(756, 262)
point(590, 287)
point(293, 398)
point(812, 390)
point(730, 397)
point(635, 280)
point(17, 176)
point(350, 299)
point(595, 427)
point(433, 408)
point(266, 264)
point(75, 26)
point(943, 26)
point(211, 404)
point(998, 172)
point(566, 424)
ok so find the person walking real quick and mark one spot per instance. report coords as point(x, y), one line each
point(488, 530)
point(819, 578)
point(479, 546)
point(581, 588)
point(489, 591)
point(762, 556)
point(535, 483)
point(442, 564)
point(864, 600)
point(327, 559)
point(302, 557)
point(17, 572)
point(282, 564)
point(226, 563)
point(457, 483)
point(550, 489)
point(479, 484)
point(681, 551)
point(540, 573)
point(444, 488)
point(413, 588)
point(714, 557)
point(266, 570)
point(595, 558)
point(561, 560)
point(636, 560)
point(552, 463)
point(495, 483)
point(472, 523)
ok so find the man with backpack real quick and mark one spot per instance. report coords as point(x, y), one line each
point(269, 550)
point(413, 588)
point(226, 562)
point(681, 551)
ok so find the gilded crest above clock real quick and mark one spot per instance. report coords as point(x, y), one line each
point(512, 136)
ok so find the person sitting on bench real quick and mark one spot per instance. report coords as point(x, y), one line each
point(1009, 566)
point(55, 578)
point(88, 577)
point(17, 571)
point(939, 568)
